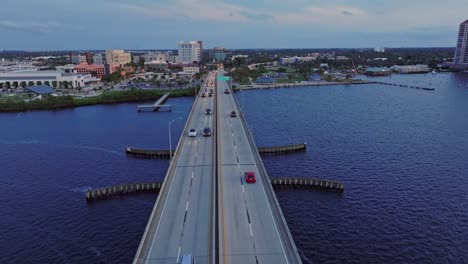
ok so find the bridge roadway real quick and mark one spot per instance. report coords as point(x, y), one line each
point(181, 220)
point(252, 228)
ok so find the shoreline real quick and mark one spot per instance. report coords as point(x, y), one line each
point(107, 98)
point(301, 84)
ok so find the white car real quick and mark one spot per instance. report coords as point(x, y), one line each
point(192, 132)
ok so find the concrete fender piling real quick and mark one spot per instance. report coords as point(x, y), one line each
point(307, 182)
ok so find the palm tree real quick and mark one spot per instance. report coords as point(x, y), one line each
point(23, 84)
point(54, 84)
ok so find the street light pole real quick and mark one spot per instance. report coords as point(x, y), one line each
point(170, 139)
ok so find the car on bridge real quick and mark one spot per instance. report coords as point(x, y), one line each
point(233, 114)
point(227, 91)
point(206, 132)
point(250, 177)
point(192, 132)
point(203, 95)
point(208, 111)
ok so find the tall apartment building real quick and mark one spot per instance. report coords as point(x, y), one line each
point(461, 53)
point(118, 57)
point(190, 51)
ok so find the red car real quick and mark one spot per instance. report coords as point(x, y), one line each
point(250, 177)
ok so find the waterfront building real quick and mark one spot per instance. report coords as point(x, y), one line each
point(418, 68)
point(189, 52)
point(53, 78)
point(98, 59)
point(377, 72)
point(118, 57)
point(461, 53)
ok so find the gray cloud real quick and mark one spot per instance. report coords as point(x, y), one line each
point(347, 13)
point(257, 17)
point(34, 27)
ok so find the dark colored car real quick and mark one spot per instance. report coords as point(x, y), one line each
point(203, 95)
point(233, 114)
point(227, 91)
point(208, 112)
point(206, 132)
point(210, 94)
point(250, 177)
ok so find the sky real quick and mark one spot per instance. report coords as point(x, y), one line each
point(234, 24)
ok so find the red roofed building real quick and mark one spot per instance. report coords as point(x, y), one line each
point(95, 70)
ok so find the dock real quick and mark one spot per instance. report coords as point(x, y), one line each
point(156, 186)
point(164, 154)
point(157, 105)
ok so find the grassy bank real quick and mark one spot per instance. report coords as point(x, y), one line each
point(10, 104)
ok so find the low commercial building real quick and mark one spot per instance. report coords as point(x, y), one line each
point(418, 68)
point(377, 72)
point(77, 59)
point(290, 60)
point(191, 69)
point(155, 66)
point(265, 80)
point(53, 78)
point(156, 56)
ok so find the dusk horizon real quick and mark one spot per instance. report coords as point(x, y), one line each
point(235, 25)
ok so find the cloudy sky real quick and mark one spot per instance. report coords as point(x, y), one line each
point(159, 24)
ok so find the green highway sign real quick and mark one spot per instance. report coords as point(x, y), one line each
point(223, 78)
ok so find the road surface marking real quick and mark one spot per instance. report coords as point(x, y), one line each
point(178, 255)
point(251, 233)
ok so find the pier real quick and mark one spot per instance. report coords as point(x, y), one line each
point(157, 105)
point(122, 189)
point(164, 154)
point(156, 186)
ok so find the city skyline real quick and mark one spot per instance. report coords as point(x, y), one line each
point(125, 24)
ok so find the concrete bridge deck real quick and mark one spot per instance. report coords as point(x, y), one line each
point(252, 228)
point(181, 221)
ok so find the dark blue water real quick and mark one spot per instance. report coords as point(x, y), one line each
point(402, 154)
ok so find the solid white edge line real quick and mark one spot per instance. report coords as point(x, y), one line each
point(178, 255)
point(186, 206)
point(251, 233)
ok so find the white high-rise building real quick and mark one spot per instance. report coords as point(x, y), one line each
point(461, 53)
point(190, 51)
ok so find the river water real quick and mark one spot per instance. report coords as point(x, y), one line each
point(402, 154)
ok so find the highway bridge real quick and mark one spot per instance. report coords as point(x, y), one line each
point(205, 208)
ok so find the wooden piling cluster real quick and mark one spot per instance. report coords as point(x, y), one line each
point(150, 154)
point(282, 149)
point(123, 189)
point(306, 182)
point(164, 154)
